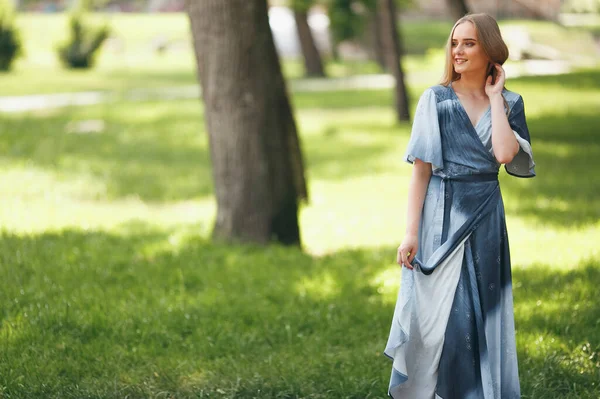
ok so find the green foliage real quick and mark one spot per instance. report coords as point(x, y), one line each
point(349, 18)
point(10, 42)
point(346, 21)
point(302, 5)
point(85, 41)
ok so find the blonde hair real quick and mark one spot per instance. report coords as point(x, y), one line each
point(488, 35)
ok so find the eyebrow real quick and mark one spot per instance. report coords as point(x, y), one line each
point(465, 39)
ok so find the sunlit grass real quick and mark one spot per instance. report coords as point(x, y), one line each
point(111, 287)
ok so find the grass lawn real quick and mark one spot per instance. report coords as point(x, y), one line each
point(111, 288)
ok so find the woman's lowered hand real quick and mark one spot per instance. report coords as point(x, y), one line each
point(407, 250)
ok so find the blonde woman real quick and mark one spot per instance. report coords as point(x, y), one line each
point(452, 336)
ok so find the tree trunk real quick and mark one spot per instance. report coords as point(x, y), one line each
point(376, 39)
point(255, 150)
point(393, 53)
point(457, 8)
point(538, 11)
point(312, 59)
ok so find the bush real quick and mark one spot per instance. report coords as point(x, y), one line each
point(84, 43)
point(10, 42)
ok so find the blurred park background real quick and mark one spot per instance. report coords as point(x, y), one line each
point(112, 285)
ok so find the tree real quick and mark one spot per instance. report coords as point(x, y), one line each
point(84, 43)
point(356, 19)
point(344, 22)
point(393, 53)
point(255, 150)
point(313, 64)
point(374, 32)
point(458, 8)
point(10, 40)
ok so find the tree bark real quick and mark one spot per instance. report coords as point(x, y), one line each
point(376, 39)
point(312, 59)
point(255, 149)
point(393, 53)
point(538, 12)
point(457, 8)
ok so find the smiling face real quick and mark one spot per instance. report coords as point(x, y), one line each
point(467, 53)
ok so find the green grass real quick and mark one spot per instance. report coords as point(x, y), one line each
point(111, 288)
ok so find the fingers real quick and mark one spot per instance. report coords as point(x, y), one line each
point(403, 257)
point(501, 72)
point(405, 261)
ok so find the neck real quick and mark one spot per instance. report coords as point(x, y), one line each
point(472, 82)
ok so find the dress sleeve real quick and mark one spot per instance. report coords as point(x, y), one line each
point(522, 164)
point(425, 141)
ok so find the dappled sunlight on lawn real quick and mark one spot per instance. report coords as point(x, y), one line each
point(174, 312)
point(154, 156)
point(387, 282)
point(321, 287)
point(51, 214)
point(106, 213)
point(557, 321)
point(563, 194)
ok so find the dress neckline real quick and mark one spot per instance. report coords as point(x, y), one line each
point(464, 111)
point(473, 130)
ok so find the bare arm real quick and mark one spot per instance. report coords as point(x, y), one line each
point(416, 197)
point(504, 143)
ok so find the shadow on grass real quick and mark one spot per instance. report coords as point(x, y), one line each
point(584, 80)
point(159, 151)
point(109, 315)
point(558, 324)
point(343, 99)
point(157, 157)
point(138, 313)
point(140, 79)
point(333, 155)
point(565, 191)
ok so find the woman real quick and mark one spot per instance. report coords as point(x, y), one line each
point(452, 335)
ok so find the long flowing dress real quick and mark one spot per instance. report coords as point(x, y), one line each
point(452, 333)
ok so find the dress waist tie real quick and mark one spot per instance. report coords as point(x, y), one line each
point(447, 246)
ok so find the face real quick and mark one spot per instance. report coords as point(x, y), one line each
point(467, 54)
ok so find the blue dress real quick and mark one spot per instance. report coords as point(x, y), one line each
point(452, 334)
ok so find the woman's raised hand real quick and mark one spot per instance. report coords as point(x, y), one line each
point(496, 88)
point(407, 250)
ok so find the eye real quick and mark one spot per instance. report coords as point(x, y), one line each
point(453, 44)
point(470, 44)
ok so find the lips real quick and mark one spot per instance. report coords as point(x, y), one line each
point(460, 60)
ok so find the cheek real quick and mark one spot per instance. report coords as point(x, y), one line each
point(482, 55)
point(477, 56)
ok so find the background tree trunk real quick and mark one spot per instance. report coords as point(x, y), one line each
point(376, 39)
point(255, 150)
point(457, 8)
point(393, 53)
point(312, 59)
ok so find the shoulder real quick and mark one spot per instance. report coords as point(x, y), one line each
point(512, 98)
point(437, 93)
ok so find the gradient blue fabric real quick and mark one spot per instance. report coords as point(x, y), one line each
point(452, 334)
